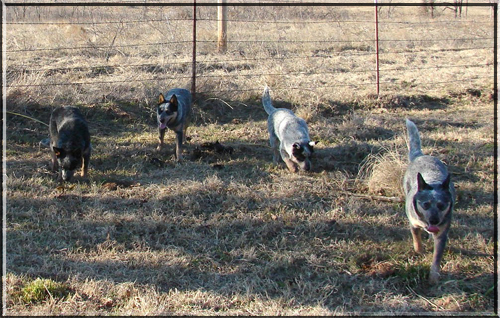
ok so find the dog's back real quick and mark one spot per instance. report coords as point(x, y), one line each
point(69, 141)
point(283, 121)
point(288, 136)
point(185, 100)
point(68, 129)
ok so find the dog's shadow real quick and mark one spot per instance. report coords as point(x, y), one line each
point(346, 157)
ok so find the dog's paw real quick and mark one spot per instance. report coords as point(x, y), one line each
point(419, 249)
point(434, 276)
point(293, 169)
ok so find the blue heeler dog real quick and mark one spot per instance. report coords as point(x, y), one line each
point(430, 198)
point(69, 142)
point(174, 112)
point(288, 136)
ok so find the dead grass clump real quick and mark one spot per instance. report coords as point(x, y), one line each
point(383, 173)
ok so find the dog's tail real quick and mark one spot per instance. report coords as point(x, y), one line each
point(266, 101)
point(414, 146)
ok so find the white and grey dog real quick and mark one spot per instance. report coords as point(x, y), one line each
point(430, 198)
point(288, 136)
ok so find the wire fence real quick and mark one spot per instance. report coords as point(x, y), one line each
point(325, 49)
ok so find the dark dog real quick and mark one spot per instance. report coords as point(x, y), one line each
point(430, 198)
point(288, 136)
point(174, 112)
point(69, 142)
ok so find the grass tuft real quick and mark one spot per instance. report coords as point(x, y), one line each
point(43, 289)
point(383, 173)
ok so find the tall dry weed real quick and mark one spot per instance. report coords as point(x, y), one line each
point(383, 173)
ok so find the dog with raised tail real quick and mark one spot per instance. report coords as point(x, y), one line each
point(430, 199)
point(288, 136)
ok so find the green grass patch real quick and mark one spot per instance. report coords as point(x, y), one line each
point(413, 275)
point(43, 289)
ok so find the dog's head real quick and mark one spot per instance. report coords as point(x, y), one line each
point(68, 160)
point(301, 154)
point(167, 110)
point(433, 203)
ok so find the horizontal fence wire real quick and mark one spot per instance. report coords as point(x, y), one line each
point(201, 74)
point(141, 66)
point(251, 75)
point(245, 21)
point(242, 60)
point(108, 47)
point(338, 85)
point(242, 90)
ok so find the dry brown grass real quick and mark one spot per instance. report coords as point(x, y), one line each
point(383, 173)
point(233, 234)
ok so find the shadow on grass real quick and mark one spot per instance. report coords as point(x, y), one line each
point(337, 108)
point(219, 248)
point(220, 256)
point(229, 244)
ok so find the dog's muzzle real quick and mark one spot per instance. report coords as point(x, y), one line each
point(166, 118)
point(432, 229)
point(66, 174)
point(162, 124)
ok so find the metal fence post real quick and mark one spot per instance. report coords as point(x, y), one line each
point(193, 67)
point(376, 44)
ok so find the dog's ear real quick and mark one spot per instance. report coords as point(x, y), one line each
point(422, 185)
point(297, 149)
point(174, 105)
point(446, 183)
point(312, 144)
point(161, 99)
point(58, 151)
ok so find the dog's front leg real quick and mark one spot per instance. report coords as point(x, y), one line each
point(291, 166)
point(161, 135)
point(178, 145)
point(439, 245)
point(55, 165)
point(289, 163)
point(85, 164)
point(416, 234)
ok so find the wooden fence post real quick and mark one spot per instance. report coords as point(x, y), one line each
point(222, 26)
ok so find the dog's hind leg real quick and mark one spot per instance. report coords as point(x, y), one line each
point(274, 142)
point(184, 134)
point(184, 129)
point(416, 233)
